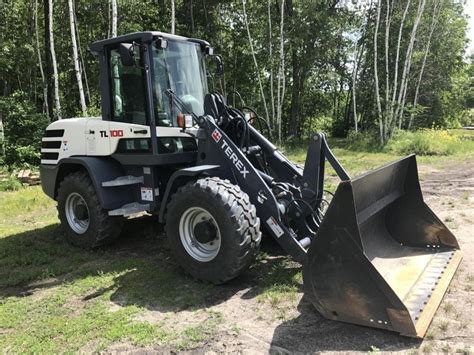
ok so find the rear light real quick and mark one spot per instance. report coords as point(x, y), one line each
point(181, 120)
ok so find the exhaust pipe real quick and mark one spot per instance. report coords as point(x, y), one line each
point(381, 257)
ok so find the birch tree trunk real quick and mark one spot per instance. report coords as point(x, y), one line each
point(83, 66)
point(270, 54)
point(376, 76)
point(388, 20)
point(48, 67)
point(173, 16)
point(114, 18)
point(40, 63)
point(108, 19)
point(254, 59)
point(191, 14)
point(354, 96)
point(407, 66)
point(355, 69)
point(281, 72)
point(57, 102)
point(397, 58)
point(434, 20)
point(75, 58)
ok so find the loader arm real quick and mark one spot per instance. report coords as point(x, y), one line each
point(216, 148)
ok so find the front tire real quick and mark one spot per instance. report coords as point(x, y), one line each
point(86, 224)
point(213, 229)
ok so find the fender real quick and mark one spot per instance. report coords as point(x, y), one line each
point(176, 180)
point(100, 169)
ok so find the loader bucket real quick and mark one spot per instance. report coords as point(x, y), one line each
point(381, 257)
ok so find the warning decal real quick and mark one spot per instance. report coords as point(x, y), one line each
point(275, 227)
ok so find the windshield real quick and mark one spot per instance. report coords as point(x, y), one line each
point(180, 67)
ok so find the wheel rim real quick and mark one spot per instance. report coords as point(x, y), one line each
point(203, 252)
point(77, 213)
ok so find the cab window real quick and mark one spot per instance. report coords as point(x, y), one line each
point(128, 90)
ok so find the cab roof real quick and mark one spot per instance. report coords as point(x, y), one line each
point(142, 37)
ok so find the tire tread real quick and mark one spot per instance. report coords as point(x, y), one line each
point(243, 216)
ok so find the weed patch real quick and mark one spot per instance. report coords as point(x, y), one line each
point(10, 183)
point(428, 142)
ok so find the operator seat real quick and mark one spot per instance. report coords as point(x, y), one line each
point(134, 98)
point(215, 106)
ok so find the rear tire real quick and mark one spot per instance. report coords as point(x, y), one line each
point(230, 220)
point(86, 224)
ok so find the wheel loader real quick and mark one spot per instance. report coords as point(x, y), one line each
point(373, 253)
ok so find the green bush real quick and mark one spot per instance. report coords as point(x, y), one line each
point(423, 142)
point(366, 141)
point(317, 124)
point(10, 184)
point(23, 130)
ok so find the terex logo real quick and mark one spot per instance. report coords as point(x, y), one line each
point(234, 158)
point(216, 135)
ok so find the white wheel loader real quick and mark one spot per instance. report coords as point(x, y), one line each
point(376, 255)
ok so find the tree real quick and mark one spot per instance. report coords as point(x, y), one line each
point(407, 66)
point(306, 65)
point(40, 62)
point(252, 50)
point(270, 54)
point(75, 58)
point(173, 16)
point(425, 56)
point(114, 18)
point(376, 76)
point(388, 20)
point(54, 64)
point(281, 71)
point(397, 57)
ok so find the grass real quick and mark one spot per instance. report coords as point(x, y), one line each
point(446, 348)
point(55, 297)
point(430, 335)
point(10, 183)
point(427, 348)
point(374, 349)
point(197, 333)
point(466, 350)
point(448, 219)
point(236, 329)
point(448, 307)
point(359, 154)
point(431, 142)
point(443, 325)
point(280, 283)
point(358, 158)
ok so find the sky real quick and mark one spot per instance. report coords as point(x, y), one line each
point(470, 34)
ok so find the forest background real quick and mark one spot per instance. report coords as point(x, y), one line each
point(372, 71)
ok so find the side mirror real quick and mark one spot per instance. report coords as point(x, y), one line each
point(127, 54)
point(219, 64)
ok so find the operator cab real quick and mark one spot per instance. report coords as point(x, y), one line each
point(138, 71)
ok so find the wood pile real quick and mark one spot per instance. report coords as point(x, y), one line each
point(26, 176)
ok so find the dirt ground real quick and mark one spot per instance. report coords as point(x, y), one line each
point(251, 325)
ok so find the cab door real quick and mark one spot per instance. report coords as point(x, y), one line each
point(129, 120)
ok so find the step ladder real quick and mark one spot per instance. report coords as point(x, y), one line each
point(130, 209)
point(124, 181)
